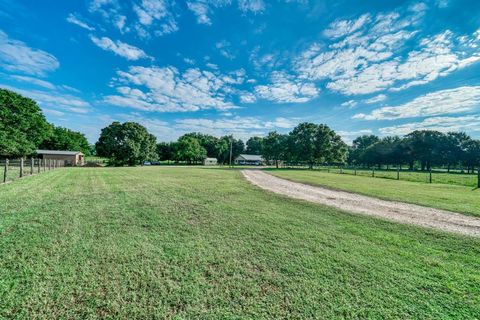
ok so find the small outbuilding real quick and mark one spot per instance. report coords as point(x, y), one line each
point(249, 159)
point(71, 158)
point(210, 162)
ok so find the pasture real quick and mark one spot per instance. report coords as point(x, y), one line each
point(153, 242)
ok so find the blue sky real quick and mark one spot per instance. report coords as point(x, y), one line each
point(246, 67)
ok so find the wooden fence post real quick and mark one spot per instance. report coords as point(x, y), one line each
point(31, 166)
point(430, 175)
point(49, 164)
point(373, 173)
point(355, 170)
point(478, 177)
point(5, 172)
point(21, 167)
point(39, 164)
point(398, 173)
point(44, 164)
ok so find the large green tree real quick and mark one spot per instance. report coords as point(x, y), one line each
point(189, 149)
point(310, 143)
point(126, 143)
point(66, 139)
point(274, 147)
point(255, 145)
point(22, 125)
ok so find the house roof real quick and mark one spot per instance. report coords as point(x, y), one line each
point(250, 157)
point(210, 159)
point(59, 152)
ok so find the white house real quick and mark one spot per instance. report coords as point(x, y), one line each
point(210, 162)
point(249, 159)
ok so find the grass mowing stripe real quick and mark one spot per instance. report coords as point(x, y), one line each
point(197, 243)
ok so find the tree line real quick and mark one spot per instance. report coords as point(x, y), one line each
point(307, 143)
point(423, 148)
point(24, 129)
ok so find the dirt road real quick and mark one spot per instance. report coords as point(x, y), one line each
point(360, 204)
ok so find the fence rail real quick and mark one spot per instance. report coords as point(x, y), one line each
point(396, 173)
point(13, 169)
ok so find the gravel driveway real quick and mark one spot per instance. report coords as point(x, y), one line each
point(360, 204)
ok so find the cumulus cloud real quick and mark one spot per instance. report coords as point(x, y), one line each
point(120, 48)
point(242, 127)
point(169, 90)
point(72, 18)
point(366, 55)
point(15, 55)
point(449, 101)
point(285, 88)
point(157, 15)
point(470, 123)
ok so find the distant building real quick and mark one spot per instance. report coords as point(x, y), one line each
point(210, 162)
point(71, 158)
point(249, 159)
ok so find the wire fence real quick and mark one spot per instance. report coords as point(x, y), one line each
point(456, 177)
point(14, 169)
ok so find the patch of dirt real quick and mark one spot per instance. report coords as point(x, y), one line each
point(365, 205)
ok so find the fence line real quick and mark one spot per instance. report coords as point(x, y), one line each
point(396, 173)
point(18, 168)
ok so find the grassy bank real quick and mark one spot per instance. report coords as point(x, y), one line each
point(443, 196)
point(202, 243)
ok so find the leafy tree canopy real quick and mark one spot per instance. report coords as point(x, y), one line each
point(22, 125)
point(126, 143)
point(66, 139)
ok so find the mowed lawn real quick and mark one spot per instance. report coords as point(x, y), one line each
point(455, 198)
point(202, 243)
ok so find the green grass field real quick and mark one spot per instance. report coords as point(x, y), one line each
point(437, 195)
point(154, 242)
point(462, 179)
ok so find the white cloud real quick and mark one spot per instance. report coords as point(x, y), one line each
point(54, 100)
point(469, 123)
point(349, 136)
point(120, 48)
point(349, 104)
point(342, 28)
point(168, 90)
point(157, 15)
point(449, 101)
point(72, 18)
point(15, 55)
point(255, 6)
point(247, 97)
point(377, 98)
point(242, 127)
point(189, 61)
point(285, 88)
point(120, 23)
point(224, 47)
point(367, 54)
point(34, 81)
point(201, 10)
